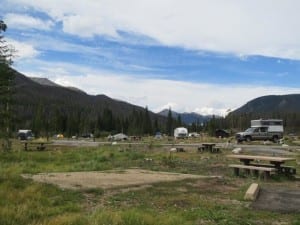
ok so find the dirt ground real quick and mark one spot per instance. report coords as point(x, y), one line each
point(108, 179)
point(278, 200)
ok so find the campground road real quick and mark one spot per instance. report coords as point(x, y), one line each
point(259, 149)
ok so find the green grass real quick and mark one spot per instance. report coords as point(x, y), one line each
point(212, 201)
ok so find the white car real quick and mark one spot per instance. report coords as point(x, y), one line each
point(118, 137)
point(194, 134)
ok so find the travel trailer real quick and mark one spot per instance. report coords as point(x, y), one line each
point(25, 135)
point(180, 132)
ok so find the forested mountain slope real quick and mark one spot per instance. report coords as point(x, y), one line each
point(52, 109)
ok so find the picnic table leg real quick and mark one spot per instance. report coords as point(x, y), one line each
point(41, 147)
point(25, 146)
point(247, 171)
point(277, 165)
point(256, 173)
point(266, 175)
point(236, 171)
point(201, 149)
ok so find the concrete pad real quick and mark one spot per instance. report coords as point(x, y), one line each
point(279, 199)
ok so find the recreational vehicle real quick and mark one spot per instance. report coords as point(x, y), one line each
point(180, 132)
point(25, 135)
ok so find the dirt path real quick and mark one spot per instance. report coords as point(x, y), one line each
point(108, 179)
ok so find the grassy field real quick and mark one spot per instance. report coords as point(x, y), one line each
point(208, 201)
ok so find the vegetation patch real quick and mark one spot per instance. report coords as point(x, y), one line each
point(185, 201)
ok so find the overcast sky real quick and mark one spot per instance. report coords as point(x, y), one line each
point(205, 56)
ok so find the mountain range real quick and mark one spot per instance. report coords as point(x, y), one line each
point(187, 118)
point(32, 93)
point(43, 105)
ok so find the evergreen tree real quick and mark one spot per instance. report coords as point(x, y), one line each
point(179, 122)
point(169, 127)
point(156, 126)
point(38, 121)
point(211, 126)
point(147, 123)
point(6, 88)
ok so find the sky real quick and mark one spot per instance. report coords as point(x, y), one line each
point(204, 56)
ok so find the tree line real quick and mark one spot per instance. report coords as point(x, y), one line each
point(46, 120)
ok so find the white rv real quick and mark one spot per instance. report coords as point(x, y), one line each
point(180, 132)
point(25, 135)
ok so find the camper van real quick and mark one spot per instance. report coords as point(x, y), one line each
point(270, 129)
point(180, 132)
point(25, 135)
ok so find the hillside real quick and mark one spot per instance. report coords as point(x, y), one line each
point(54, 108)
point(271, 104)
point(285, 107)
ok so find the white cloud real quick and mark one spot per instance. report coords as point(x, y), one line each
point(23, 49)
point(23, 22)
point(241, 27)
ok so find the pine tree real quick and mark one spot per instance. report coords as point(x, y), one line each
point(169, 127)
point(6, 88)
point(147, 123)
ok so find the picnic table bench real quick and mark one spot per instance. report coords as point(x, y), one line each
point(283, 169)
point(275, 164)
point(266, 171)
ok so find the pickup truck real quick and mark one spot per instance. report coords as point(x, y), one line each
point(259, 133)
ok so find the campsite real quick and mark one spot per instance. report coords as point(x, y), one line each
point(149, 112)
point(140, 183)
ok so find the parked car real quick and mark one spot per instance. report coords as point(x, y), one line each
point(194, 134)
point(158, 135)
point(222, 133)
point(87, 135)
point(118, 137)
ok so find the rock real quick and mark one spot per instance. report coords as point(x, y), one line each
point(237, 150)
point(173, 150)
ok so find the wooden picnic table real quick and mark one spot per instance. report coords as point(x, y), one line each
point(39, 145)
point(211, 147)
point(275, 162)
point(246, 159)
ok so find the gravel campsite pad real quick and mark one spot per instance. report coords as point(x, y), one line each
point(108, 179)
point(278, 200)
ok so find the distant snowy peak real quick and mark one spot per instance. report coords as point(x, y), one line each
point(187, 118)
